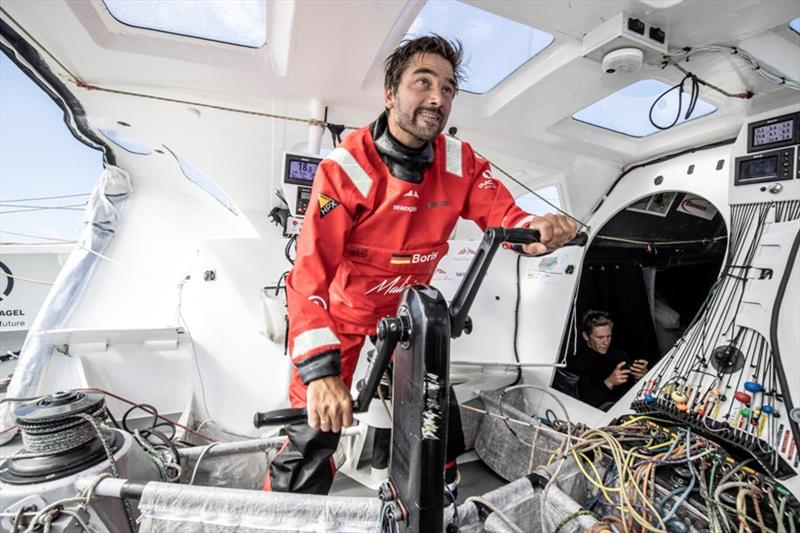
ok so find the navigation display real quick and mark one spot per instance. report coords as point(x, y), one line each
point(759, 169)
point(773, 133)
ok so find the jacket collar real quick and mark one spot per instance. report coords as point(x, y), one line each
point(407, 164)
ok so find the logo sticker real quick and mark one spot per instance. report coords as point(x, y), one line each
point(393, 286)
point(488, 183)
point(327, 204)
point(6, 281)
point(434, 205)
point(405, 208)
point(319, 301)
point(411, 194)
point(413, 259)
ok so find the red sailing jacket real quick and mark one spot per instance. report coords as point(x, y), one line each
point(368, 235)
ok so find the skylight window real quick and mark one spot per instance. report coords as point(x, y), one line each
point(795, 24)
point(239, 22)
point(494, 47)
point(627, 110)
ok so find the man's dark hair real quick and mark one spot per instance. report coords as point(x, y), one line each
point(593, 319)
point(397, 62)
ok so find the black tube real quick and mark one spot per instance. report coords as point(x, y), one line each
point(132, 490)
point(773, 338)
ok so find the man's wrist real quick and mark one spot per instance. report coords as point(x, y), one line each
point(607, 384)
point(320, 366)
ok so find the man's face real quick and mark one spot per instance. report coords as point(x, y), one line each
point(419, 109)
point(600, 339)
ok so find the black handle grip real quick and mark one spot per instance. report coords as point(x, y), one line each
point(520, 235)
point(530, 236)
point(280, 417)
point(580, 239)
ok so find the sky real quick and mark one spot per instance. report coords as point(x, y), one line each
point(39, 157)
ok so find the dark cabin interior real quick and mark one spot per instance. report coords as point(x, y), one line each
point(650, 267)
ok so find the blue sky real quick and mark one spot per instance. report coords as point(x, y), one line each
point(39, 157)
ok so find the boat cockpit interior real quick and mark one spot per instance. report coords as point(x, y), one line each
point(149, 391)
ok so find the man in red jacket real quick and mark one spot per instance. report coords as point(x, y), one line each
point(384, 203)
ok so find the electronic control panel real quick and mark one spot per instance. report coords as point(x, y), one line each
point(765, 163)
point(298, 178)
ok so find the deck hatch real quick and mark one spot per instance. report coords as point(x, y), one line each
point(627, 110)
point(494, 46)
point(236, 22)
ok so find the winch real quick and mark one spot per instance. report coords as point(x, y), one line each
point(63, 441)
point(60, 437)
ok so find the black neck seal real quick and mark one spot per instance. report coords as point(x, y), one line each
point(407, 164)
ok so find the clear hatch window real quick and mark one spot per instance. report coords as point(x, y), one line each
point(627, 110)
point(237, 22)
point(494, 46)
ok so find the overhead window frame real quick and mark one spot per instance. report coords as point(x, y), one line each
point(419, 32)
point(794, 25)
point(190, 36)
point(656, 130)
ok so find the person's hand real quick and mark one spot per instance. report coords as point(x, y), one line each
point(554, 232)
point(330, 407)
point(618, 376)
point(639, 368)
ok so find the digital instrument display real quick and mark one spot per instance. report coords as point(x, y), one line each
point(766, 166)
point(773, 133)
point(757, 169)
point(301, 170)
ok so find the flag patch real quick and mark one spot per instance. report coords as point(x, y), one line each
point(401, 259)
point(327, 204)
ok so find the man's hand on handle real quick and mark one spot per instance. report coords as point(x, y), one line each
point(554, 232)
point(330, 407)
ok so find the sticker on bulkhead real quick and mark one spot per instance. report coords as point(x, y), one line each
point(697, 206)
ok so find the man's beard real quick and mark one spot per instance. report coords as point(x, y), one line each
point(409, 124)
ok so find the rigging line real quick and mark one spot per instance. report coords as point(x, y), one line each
point(309, 121)
point(29, 280)
point(5, 204)
point(19, 243)
point(80, 83)
point(744, 95)
point(46, 197)
point(62, 208)
point(59, 239)
point(539, 196)
point(662, 243)
point(132, 270)
point(35, 40)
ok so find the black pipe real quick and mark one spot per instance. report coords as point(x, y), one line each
point(773, 338)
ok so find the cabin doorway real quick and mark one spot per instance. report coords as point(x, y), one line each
point(650, 268)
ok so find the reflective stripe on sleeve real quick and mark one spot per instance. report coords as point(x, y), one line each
point(313, 339)
point(350, 166)
point(453, 156)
